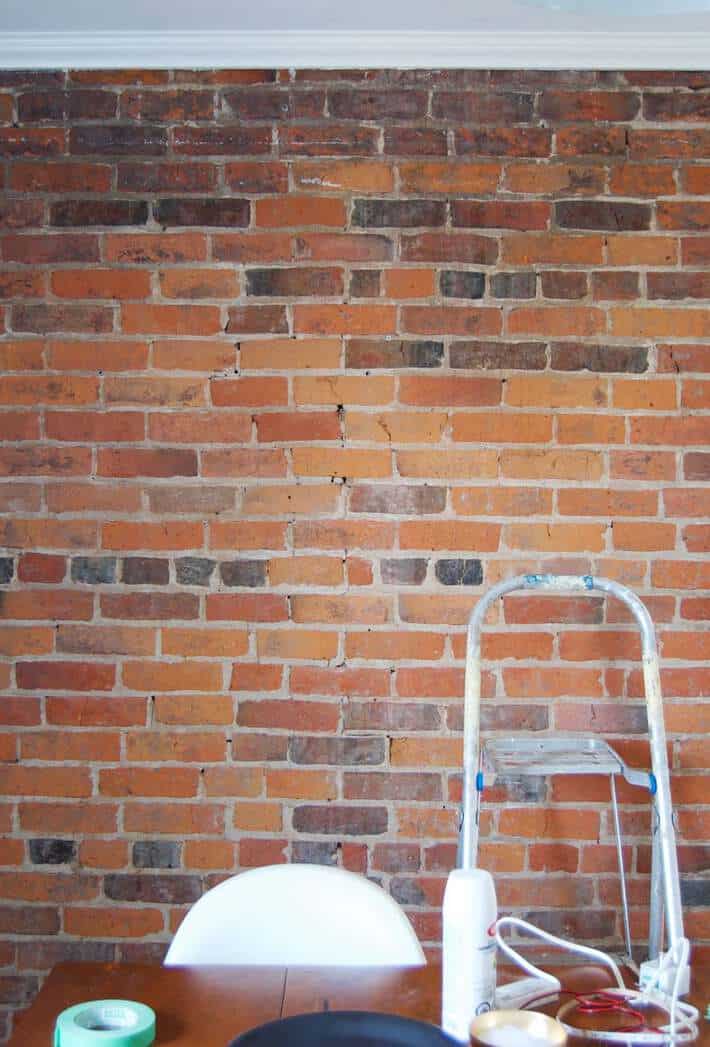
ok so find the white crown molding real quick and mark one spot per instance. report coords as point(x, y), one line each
point(361, 49)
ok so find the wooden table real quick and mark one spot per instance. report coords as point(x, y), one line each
point(208, 1006)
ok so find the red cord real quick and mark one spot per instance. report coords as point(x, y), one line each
point(602, 1002)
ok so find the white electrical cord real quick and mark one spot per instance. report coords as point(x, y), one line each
point(584, 950)
point(682, 1024)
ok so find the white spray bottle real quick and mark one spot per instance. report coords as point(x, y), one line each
point(469, 949)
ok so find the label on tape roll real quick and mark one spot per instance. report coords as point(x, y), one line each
point(108, 1023)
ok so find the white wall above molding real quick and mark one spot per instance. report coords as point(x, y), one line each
point(338, 49)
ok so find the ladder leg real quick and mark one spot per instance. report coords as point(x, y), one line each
point(655, 927)
point(622, 874)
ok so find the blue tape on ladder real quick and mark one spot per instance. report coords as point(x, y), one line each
point(652, 783)
point(479, 781)
point(588, 580)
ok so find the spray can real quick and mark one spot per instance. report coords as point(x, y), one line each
point(469, 950)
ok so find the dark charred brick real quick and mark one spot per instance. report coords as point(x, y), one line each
point(347, 752)
point(695, 893)
point(274, 103)
point(250, 573)
point(145, 570)
point(415, 141)
point(165, 890)
point(696, 466)
point(336, 819)
point(315, 852)
point(46, 318)
point(391, 716)
point(296, 282)
point(7, 569)
point(496, 356)
point(118, 140)
point(54, 78)
point(403, 572)
point(361, 353)
point(66, 213)
point(563, 284)
point(398, 500)
point(221, 140)
point(503, 141)
point(142, 952)
point(459, 572)
point(379, 214)
point(388, 785)
point(388, 104)
point(459, 283)
point(677, 105)
point(482, 107)
point(44, 954)
point(66, 105)
point(183, 177)
point(513, 285)
point(365, 283)
point(406, 891)
point(396, 857)
point(328, 139)
point(156, 854)
point(588, 924)
point(18, 989)
point(678, 285)
point(194, 570)
point(573, 356)
point(616, 285)
point(94, 570)
point(49, 851)
point(609, 215)
point(497, 717)
point(214, 211)
point(29, 919)
point(522, 789)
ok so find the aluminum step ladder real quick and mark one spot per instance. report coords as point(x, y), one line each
point(530, 754)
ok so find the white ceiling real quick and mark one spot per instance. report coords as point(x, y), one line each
point(474, 33)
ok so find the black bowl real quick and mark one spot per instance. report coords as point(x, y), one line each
point(345, 1029)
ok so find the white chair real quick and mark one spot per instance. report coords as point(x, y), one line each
point(290, 915)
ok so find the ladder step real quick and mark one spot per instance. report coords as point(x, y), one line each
point(554, 754)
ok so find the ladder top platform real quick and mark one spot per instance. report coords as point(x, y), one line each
point(555, 754)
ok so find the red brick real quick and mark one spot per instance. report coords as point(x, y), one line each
point(170, 319)
point(300, 211)
point(23, 355)
point(47, 604)
point(17, 389)
point(290, 715)
point(36, 567)
point(20, 425)
point(249, 392)
point(247, 535)
point(198, 427)
point(247, 607)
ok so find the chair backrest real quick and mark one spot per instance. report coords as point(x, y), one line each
point(292, 915)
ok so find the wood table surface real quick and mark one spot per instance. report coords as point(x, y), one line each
point(209, 1006)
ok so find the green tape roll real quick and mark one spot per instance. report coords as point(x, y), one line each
point(105, 1023)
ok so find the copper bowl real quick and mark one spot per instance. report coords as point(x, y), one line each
point(517, 1029)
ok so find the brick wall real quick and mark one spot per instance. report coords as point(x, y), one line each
point(293, 366)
